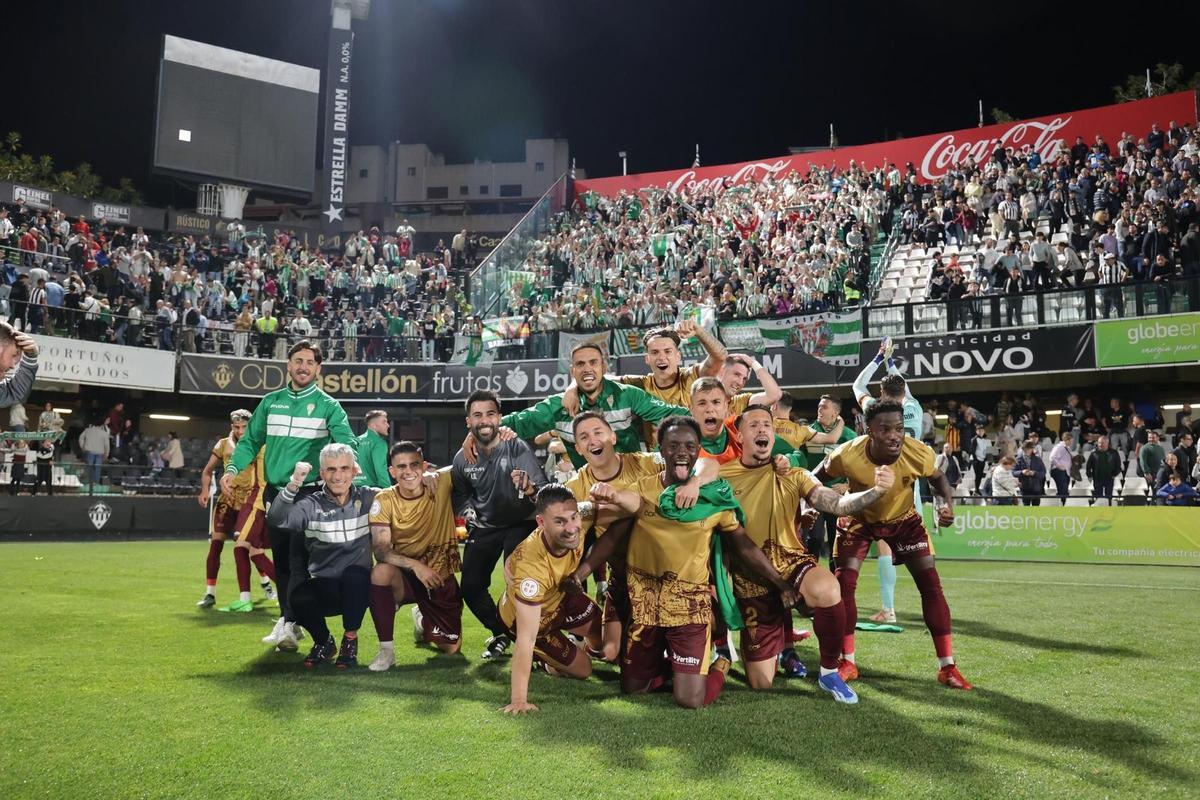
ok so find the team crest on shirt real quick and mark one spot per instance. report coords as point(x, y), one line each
point(357, 506)
point(530, 588)
point(310, 407)
point(375, 508)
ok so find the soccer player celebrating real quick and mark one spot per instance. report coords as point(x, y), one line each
point(416, 555)
point(536, 611)
point(668, 558)
point(240, 515)
point(294, 423)
point(621, 405)
point(893, 518)
point(829, 418)
point(770, 501)
point(596, 442)
point(373, 452)
point(734, 376)
point(330, 552)
point(894, 389)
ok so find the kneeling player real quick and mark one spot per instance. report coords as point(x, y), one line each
point(535, 611)
point(416, 554)
point(770, 499)
point(330, 552)
point(893, 519)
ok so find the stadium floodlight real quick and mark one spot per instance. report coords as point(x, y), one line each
point(171, 417)
point(62, 411)
point(624, 163)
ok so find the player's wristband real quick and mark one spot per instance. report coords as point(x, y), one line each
point(878, 359)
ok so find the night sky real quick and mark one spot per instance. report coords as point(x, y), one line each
point(475, 78)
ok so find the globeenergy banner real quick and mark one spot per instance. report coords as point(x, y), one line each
point(1173, 339)
point(832, 337)
point(932, 156)
point(1095, 535)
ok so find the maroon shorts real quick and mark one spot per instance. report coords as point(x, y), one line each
point(441, 608)
point(552, 644)
point(907, 537)
point(252, 524)
point(648, 646)
point(616, 599)
point(224, 518)
point(768, 623)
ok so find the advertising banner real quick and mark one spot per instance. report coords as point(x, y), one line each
point(832, 337)
point(113, 212)
point(79, 361)
point(972, 354)
point(1173, 339)
point(29, 196)
point(1095, 535)
point(932, 156)
point(101, 515)
point(248, 377)
point(336, 155)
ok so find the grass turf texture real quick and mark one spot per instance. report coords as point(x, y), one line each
point(117, 686)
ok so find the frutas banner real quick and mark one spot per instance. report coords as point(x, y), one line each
point(932, 156)
point(1172, 339)
point(1095, 535)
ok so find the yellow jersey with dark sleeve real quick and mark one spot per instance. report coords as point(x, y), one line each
point(769, 502)
point(793, 433)
point(678, 393)
point(668, 562)
point(244, 482)
point(536, 574)
point(634, 467)
point(739, 402)
point(852, 462)
point(422, 527)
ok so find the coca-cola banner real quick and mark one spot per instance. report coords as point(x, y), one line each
point(932, 156)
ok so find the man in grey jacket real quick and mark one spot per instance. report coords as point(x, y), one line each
point(20, 351)
point(330, 552)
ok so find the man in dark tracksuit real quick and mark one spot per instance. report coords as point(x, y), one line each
point(499, 489)
point(330, 552)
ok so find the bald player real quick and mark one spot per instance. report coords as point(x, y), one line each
point(894, 519)
point(770, 500)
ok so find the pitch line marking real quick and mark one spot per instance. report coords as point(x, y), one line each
point(1071, 583)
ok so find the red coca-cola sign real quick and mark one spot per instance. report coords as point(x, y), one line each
point(932, 155)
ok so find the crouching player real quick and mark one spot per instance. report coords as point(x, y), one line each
point(770, 494)
point(416, 555)
point(330, 552)
point(893, 519)
point(534, 609)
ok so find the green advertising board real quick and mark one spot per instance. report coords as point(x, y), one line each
point(1095, 535)
point(1170, 339)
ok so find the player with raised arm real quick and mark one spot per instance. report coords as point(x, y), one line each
point(536, 611)
point(894, 388)
point(893, 518)
point(736, 373)
point(668, 562)
point(770, 490)
point(240, 515)
point(416, 557)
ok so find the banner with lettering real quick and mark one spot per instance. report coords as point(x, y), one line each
point(831, 337)
point(932, 156)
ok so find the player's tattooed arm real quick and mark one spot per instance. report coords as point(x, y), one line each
point(381, 545)
point(848, 505)
point(752, 556)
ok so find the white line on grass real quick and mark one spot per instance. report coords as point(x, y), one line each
point(1150, 587)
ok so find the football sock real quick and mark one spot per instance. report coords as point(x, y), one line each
point(265, 566)
point(713, 683)
point(387, 645)
point(211, 588)
point(935, 610)
point(887, 582)
point(350, 634)
point(241, 560)
point(849, 656)
point(829, 625)
point(383, 612)
point(825, 672)
point(848, 580)
point(245, 597)
point(213, 563)
point(945, 661)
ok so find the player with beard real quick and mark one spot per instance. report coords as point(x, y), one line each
point(720, 439)
point(771, 501)
point(668, 563)
point(294, 423)
point(241, 515)
point(625, 408)
point(823, 532)
point(893, 518)
point(734, 376)
point(495, 491)
point(667, 380)
point(416, 556)
point(596, 442)
point(534, 608)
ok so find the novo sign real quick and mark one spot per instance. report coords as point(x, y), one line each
point(1057, 349)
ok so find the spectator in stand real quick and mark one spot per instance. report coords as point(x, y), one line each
point(1151, 457)
point(1103, 467)
point(1061, 464)
point(49, 419)
point(172, 454)
point(1185, 453)
point(20, 452)
point(94, 445)
point(18, 418)
point(947, 464)
point(1031, 474)
point(44, 455)
point(1116, 422)
point(1176, 492)
point(1005, 488)
point(978, 448)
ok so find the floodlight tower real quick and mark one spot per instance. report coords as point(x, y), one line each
point(336, 154)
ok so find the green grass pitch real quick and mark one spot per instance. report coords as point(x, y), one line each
point(115, 685)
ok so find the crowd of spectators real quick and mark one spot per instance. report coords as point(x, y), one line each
point(1116, 214)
